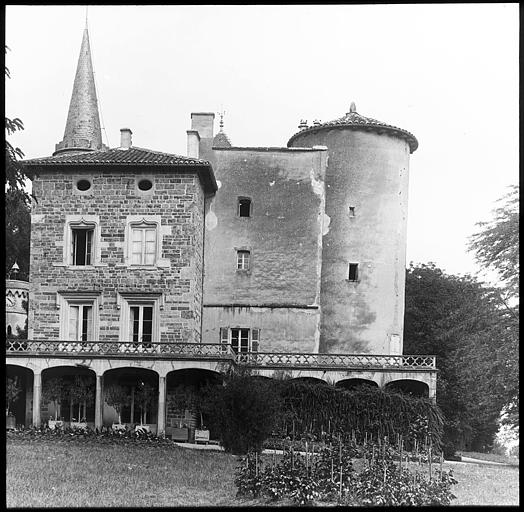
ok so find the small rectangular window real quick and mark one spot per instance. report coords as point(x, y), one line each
point(82, 246)
point(244, 207)
point(353, 272)
point(351, 211)
point(241, 341)
point(243, 260)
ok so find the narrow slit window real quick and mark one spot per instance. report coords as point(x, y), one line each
point(351, 211)
point(353, 272)
point(82, 246)
point(244, 207)
point(243, 258)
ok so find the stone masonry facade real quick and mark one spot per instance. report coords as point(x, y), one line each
point(176, 203)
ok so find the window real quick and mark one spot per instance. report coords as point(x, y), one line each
point(244, 207)
point(351, 211)
point(145, 185)
point(143, 245)
point(83, 185)
point(141, 325)
point(241, 339)
point(78, 316)
point(243, 258)
point(80, 322)
point(143, 241)
point(139, 319)
point(82, 240)
point(353, 272)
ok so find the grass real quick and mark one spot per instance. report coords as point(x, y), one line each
point(53, 473)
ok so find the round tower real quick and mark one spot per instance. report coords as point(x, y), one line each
point(364, 243)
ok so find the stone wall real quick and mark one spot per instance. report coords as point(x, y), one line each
point(177, 199)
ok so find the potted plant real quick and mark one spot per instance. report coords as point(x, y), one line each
point(12, 390)
point(80, 393)
point(117, 397)
point(202, 433)
point(184, 400)
point(54, 391)
point(144, 396)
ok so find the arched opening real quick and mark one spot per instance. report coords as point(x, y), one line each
point(409, 386)
point(310, 380)
point(130, 398)
point(352, 384)
point(9, 331)
point(19, 395)
point(185, 418)
point(68, 396)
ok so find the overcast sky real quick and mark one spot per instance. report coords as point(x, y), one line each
point(447, 73)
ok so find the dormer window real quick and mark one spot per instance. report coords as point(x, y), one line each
point(244, 207)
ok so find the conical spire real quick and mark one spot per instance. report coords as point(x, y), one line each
point(221, 140)
point(82, 132)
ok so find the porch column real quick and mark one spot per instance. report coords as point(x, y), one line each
point(161, 422)
point(37, 396)
point(98, 403)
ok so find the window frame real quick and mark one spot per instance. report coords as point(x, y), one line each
point(144, 222)
point(226, 338)
point(357, 272)
point(239, 200)
point(67, 299)
point(249, 260)
point(78, 223)
point(125, 301)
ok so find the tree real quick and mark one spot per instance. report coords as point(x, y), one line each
point(118, 397)
point(461, 322)
point(17, 232)
point(54, 390)
point(496, 245)
point(16, 174)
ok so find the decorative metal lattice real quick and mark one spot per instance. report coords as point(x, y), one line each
point(167, 350)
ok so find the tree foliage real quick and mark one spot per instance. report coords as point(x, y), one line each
point(463, 324)
point(17, 232)
point(496, 244)
point(16, 174)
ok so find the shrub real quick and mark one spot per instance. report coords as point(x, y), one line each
point(243, 412)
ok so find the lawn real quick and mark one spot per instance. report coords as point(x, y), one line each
point(52, 473)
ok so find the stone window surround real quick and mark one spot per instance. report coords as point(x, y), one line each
point(65, 299)
point(151, 220)
point(141, 177)
point(79, 177)
point(124, 302)
point(79, 221)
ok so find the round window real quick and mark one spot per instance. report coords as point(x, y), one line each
point(83, 185)
point(145, 184)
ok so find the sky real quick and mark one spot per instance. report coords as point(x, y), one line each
point(447, 73)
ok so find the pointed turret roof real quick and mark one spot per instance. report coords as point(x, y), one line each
point(82, 131)
point(221, 140)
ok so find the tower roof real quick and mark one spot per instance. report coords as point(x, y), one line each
point(221, 140)
point(354, 120)
point(82, 131)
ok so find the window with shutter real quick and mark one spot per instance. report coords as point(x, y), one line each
point(255, 339)
point(224, 338)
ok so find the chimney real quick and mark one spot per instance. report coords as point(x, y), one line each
point(125, 138)
point(193, 143)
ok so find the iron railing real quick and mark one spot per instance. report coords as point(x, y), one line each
point(168, 350)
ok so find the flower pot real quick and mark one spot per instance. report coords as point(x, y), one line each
point(53, 424)
point(82, 425)
point(10, 422)
point(118, 426)
point(201, 436)
point(180, 434)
